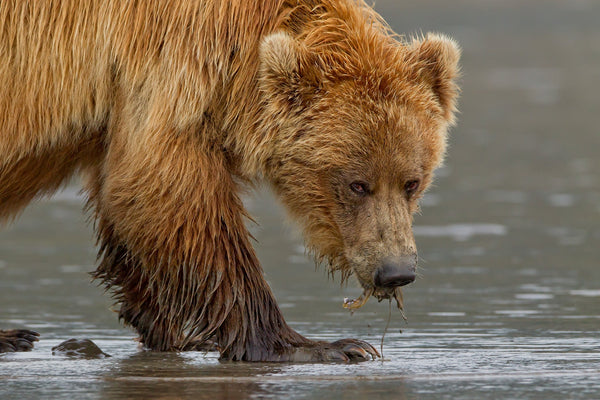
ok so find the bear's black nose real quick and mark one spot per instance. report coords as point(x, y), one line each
point(396, 272)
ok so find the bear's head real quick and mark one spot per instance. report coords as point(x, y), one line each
point(358, 125)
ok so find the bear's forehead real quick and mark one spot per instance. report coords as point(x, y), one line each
point(373, 131)
point(383, 103)
point(376, 120)
point(387, 136)
point(371, 150)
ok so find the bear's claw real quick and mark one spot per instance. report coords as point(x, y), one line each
point(17, 340)
point(344, 350)
point(356, 350)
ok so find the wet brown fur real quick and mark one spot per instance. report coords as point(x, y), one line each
point(167, 107)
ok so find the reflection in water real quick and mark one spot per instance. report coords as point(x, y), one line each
point(146, 375)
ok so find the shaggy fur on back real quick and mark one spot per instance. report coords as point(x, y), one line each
point(166, 108)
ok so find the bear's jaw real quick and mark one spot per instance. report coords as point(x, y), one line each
point(379, 293)
point(389, 293)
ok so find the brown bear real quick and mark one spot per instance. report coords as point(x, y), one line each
point(169, 108)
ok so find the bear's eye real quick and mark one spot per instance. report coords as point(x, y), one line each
point(360, 188)
point(411, 187)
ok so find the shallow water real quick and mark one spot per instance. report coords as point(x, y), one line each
point(507, 302)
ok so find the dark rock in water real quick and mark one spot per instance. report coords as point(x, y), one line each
point(78, 348)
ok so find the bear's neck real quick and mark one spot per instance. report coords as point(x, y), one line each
point(247, 132)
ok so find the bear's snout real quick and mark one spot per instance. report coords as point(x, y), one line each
point(394, 272)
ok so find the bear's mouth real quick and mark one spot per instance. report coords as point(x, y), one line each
point(380, 293)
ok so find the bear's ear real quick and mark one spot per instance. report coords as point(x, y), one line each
point(437, 58)
point(287, 70)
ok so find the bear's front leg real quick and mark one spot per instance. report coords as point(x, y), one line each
point(176, 253)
